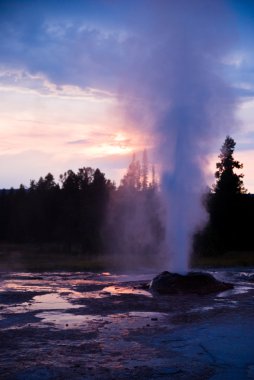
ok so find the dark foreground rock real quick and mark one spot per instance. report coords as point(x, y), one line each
point(192, 282)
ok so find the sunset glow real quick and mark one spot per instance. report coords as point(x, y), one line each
point(61, 92)
point(44, 127)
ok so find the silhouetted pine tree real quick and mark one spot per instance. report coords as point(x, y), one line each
point(228, 182)
point(226, 229)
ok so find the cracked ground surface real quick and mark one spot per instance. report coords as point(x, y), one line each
point(104, 326)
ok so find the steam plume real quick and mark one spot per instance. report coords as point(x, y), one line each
point(174, 90)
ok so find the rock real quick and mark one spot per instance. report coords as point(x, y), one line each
point(191, 283)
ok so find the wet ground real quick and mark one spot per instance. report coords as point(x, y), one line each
point(104, 326)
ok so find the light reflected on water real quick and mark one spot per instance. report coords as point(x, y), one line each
point(236, 290)
point(118, 290)
point(51, 301)
point(121, 322)
point(22, 286)
point(65, 320)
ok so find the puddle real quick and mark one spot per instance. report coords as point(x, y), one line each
point(203, 309)
point(119, 290)
point(119, 321)
point(21, 286)
point(235, 291)
point(147, 314)
point(245, 276)
point(133, 321)
point(51, 301)
point(66, 320)
point(226, 303)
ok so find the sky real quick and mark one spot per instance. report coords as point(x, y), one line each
point(64, 74)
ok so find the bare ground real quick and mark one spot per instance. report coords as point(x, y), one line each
point(103, 326)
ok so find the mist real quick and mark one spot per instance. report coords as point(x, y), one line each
point(174, 91)
point(134, 230)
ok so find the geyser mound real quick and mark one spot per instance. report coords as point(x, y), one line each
point(190, 283)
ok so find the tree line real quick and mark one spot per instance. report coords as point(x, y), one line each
point(85, 212)
point(68, 212)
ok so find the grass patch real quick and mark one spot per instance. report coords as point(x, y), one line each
point(33, 258)
point(228, 259)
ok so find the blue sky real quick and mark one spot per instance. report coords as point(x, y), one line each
point(84, 83)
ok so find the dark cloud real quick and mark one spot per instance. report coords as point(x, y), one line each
point(77, 42)
point(92, 43)
point(82, 57)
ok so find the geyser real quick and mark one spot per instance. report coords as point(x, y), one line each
point(174, 90)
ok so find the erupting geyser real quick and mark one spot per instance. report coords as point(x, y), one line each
point(175, 91)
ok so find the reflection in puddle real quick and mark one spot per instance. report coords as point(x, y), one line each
point(118, 290)
point(22, 286)
point(93, 294)
point(65, 320)
point(236, 290)
point(147, 314)
point(222, 303)
point(120, 321)
point(202, 309)
point(51, 301)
